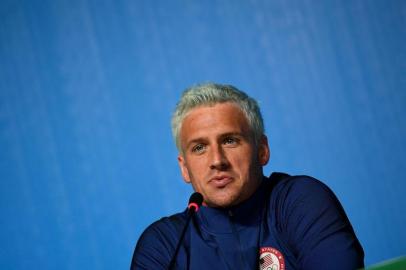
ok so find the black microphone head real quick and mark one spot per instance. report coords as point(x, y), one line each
point(195, 201)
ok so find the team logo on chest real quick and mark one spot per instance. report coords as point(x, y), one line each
point(271, 259)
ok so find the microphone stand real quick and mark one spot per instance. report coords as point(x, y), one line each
point(195, 201)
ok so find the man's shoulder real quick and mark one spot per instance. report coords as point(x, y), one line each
point(302, 194)
point(284, 185)
point(157, 242)
point(311, 221)
point(303, 198)
point(164, 229)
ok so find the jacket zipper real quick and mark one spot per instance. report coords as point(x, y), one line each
point(237, 236)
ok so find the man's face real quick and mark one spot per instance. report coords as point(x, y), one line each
point(219, 156)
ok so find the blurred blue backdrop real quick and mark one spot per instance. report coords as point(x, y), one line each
point(87, 89)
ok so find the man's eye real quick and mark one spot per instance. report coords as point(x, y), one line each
point(230, 140)
point(198, 148)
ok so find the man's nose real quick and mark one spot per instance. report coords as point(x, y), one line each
point(218, 159)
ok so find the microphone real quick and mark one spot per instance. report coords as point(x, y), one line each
point(195, 201)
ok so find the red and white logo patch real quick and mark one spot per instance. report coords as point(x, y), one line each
point(271, 259)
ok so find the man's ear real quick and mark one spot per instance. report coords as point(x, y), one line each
point(263, 151)
point(183, 169)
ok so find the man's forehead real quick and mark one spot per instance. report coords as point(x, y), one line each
point(210, 107)
point(223, 112)
point(214, 120)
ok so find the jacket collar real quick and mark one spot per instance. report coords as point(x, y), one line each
point(246, 214)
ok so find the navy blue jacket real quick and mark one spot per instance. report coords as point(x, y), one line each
point(290, 222)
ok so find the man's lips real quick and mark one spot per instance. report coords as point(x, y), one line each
point(220, 181)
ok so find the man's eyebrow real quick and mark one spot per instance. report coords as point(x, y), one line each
point(239, 135)
point(221, 136)
point(231, 134)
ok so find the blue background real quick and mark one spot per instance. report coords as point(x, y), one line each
point(87, 89)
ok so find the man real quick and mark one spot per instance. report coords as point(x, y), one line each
point(247, 221)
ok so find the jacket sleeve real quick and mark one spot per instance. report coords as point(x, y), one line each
point(317, 228)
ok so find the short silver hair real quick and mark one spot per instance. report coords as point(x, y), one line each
point(209, 94)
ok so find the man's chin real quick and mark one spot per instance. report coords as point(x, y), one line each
point(222, 201)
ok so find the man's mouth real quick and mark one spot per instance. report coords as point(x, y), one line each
point(220, 181)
